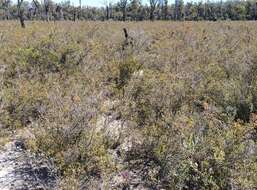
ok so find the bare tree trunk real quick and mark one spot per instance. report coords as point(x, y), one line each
point(107, 12)
point(152, 15)
point(153, 4)
point(74, 15)
point(110, 11)
point(37, 8)
point(80, 10)
point(7, 11)
point(20, 13)
point(123, 6)
point(59, 12)
point(46, 5)
point(124, 14)
point(255, 11)
point(165, 10)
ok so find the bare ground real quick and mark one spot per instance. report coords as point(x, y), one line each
point(22, 170)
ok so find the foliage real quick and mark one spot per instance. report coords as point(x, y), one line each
point(185, 94)
point(133, 10)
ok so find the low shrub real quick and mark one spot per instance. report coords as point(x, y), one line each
point(176, 109)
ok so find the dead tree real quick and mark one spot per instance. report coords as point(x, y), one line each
point(20, 13)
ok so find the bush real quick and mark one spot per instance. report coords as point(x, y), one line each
point(175, 109)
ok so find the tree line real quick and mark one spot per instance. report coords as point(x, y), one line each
point(131, 10)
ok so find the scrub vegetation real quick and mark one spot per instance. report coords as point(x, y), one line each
point(172, 106)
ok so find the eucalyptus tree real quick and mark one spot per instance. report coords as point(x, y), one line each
point(165, 10)
point(37, 8)
point(108, 8)
point(123, 5)
point(153, 5)
point(21, 13)
point(7, 4)
point(134, 7)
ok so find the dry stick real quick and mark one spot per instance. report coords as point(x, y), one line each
point(125, 32)
point(128, 40)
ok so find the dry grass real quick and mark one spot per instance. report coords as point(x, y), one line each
point(184, 93)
